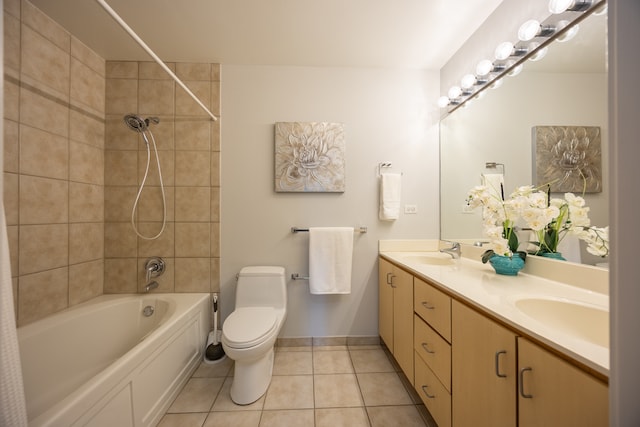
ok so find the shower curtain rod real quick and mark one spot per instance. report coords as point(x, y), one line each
point(143, 45)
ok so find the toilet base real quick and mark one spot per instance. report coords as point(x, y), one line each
point(251, 378)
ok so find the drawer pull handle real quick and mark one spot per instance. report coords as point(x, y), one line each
point(498, 374)
point(424, 390)
point(426, 348)
point(428, 306)
point(390, 277)
point(521, 381)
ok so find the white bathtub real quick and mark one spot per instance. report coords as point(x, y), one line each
point(103, 363)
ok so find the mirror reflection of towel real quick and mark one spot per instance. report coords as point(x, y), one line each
point(495, 183)
point(390, 189)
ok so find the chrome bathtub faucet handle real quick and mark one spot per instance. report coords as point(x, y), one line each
point(154, 267)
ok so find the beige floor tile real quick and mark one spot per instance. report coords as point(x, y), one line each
point(330, 348)
point(405, 416)
point(224, 403)
point(197, 395)
point(294, 348)
point(342, 417)
point(290, 392)
point(287, 418)
point(220, 369)
point(235, 419)
point(370, 361)
point(332, 362)
point(336, 391)
point(183, 420)
point(293, 363)
point(383, 389)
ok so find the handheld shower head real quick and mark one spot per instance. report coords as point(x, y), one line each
point(138, 124)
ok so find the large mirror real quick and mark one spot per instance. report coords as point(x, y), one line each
point(568, 87)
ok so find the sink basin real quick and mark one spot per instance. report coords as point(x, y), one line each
point(433, 258)
point(581, 320)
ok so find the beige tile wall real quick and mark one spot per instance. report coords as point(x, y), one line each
point(188, 145)
point(54, 161)
point(72, 169)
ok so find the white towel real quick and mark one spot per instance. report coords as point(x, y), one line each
point(390, 189)
point(495, 183)
point(330, 253)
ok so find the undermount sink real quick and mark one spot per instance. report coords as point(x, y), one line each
point(581, 320)
point(433, 258)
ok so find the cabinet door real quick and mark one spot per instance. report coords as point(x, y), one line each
point(403, 321)
point(554, 392)
point(483, 370)
point(385, 302)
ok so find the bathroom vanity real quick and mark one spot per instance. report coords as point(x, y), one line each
point(483, 349)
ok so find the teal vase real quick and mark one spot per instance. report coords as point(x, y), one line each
point(553, 255)
point(505, 265)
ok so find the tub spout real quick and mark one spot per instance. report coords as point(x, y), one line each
point(150, 286)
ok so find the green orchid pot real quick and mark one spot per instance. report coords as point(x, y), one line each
point(508, 266)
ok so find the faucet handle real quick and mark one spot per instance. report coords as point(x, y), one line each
point(154, 267)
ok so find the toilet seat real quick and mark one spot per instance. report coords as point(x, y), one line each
point(249, 326)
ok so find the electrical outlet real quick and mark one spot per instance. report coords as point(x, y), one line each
point(410, 209)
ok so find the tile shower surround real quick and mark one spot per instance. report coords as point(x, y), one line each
point(72, 169)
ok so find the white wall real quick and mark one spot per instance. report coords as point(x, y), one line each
point(389, 115)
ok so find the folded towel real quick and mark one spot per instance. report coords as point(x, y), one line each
point(495, 183)
point(330, 253)
point(390, 189)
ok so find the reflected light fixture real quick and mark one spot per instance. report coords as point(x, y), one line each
point(569, 34)
point(540, 53)
point(560, 6)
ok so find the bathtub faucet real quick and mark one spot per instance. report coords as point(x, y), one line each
point(151, 286)
point(154, 267)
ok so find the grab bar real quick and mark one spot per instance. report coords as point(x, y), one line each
point(355, 230)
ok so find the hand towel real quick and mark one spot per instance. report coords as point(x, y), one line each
point(390, 189)
point(330, 254)
point(495, 183)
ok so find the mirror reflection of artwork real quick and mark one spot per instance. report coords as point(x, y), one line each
point(569, 158)
point(309, 157)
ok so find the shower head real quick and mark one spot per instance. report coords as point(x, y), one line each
point(138, 124)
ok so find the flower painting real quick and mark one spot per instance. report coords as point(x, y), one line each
point(309, 157)
point(569, 158)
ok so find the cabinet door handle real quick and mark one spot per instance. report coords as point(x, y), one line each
point(426, 305)
point(521, 381)
point(424, 390)
point(390, 277)
point(426, 348)
point(498, 374)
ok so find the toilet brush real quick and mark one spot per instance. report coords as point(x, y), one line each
point(214, 351)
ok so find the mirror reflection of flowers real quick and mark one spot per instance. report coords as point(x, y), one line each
point(552, 219)
point(499, 221)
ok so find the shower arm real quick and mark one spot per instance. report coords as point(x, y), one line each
point(151, 53)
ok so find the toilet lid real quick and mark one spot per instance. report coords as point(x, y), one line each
point(248, 326)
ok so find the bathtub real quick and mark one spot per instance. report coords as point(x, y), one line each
point(104, 363)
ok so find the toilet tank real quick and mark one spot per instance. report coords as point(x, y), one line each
point(261, 286)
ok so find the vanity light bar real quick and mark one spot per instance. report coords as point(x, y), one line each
point(510, 56)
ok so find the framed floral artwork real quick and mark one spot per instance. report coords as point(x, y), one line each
point(309, 157)
point(568, 158)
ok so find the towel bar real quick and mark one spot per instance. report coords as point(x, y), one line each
point(296, 276)
point(355, 230)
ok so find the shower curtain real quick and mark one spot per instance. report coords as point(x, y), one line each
point(13, 410)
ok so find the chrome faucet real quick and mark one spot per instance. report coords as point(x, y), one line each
point(154, 267)
point(454, 250)
point(151, 286)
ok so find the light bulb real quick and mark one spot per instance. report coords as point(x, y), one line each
point(528, 30)
point(443, 101)
point(515, 70)
point(569, 34)
point(454, 92)
point(468, 81)
point(504, 50)
point(559, 6)
point(496, 84)
point(484, 67)
point(540, 53)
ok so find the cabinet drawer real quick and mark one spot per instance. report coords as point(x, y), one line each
point(434, 350)
point(435, 397)
point(433, 306)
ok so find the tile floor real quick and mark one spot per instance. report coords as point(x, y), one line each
point(311, 386)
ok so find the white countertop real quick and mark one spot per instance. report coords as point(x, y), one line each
point(478, 285)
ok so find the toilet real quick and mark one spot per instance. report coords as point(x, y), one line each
point(249, 333)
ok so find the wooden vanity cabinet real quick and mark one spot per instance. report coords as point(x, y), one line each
point(395, 314)
point(484, 370)
point(552, 391)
